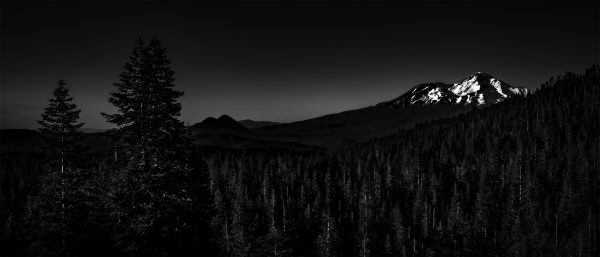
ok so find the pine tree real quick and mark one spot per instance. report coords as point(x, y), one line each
point(363, 223)
point(147, 105)
point(327, 241)
point(61, 127)
point(398, 229)
point(57, 205)
point(152, 198)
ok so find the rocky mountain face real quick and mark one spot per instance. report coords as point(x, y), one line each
point(477, 89)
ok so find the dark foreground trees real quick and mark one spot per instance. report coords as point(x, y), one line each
point(62, 216)
point(147, 197)
point(153, 200)
point(52, 210)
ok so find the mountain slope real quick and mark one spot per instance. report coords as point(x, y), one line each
point(477, 89)
point(355, 126)
point(252, 124)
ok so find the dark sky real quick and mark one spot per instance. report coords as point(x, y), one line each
point(283, 61)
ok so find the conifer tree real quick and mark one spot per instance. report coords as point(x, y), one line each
point(61, 126)
point(57, 205)
point(327, 241)
point(398, 229)
point(153, 197)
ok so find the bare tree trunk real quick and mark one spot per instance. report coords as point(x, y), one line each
point(556, 233)
point(62, 199)
point(274, 229)
point(146, 160)
point(590, 226)
point(284, 201)
point(227, 236)
point(115, 153)
point(579, 241)
point(433, 217)
point(520, 182)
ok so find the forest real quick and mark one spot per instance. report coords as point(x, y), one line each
point(518, 178)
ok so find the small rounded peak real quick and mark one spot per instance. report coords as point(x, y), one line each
point(206, 122)
point(209, 119)
point(226, 117)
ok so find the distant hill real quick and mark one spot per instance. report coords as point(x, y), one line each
point(26, 140)
point(226, 132)
point(252, 124)
point(221, 125)
point(20, 140)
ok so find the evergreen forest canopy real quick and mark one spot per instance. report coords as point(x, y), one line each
point(519, 178)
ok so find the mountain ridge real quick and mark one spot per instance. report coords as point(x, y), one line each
point(424, 102)
point(477, 89)
point(222, 125)
point(253, 124)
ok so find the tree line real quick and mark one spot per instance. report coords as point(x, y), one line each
point(519, 178)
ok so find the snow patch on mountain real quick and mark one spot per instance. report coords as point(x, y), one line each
point(465, 87)
point(498, 86)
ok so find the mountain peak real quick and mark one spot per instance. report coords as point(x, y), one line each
point(223, 124)
point(479, 73)
point(226, 118)
point(479, 89)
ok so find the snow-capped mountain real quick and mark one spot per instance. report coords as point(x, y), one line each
point(478, 89)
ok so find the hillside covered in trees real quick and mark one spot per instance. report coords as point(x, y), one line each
point(516, 179)
point(520, 178)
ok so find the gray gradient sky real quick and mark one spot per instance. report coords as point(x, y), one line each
point(283, 61)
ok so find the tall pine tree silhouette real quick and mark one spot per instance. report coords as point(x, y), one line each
point(61, 126)
point(152, 197)
point(56, 203)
